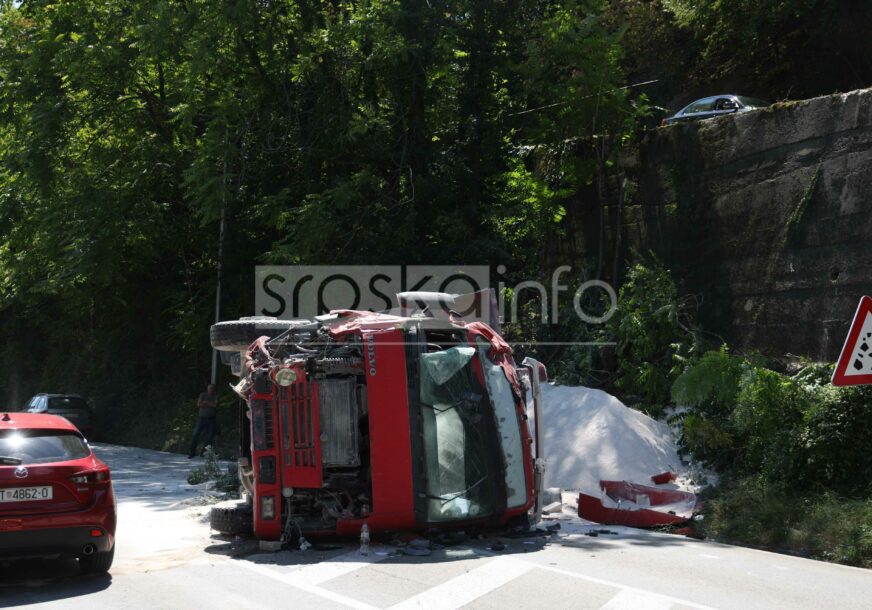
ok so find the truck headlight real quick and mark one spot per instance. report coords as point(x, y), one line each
point(268, 508)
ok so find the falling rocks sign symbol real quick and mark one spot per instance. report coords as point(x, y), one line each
point(854, 366)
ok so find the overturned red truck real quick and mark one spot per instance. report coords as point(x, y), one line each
point(413, 421)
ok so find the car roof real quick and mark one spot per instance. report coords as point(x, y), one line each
point(28, 421)
point(710, 98)
point(58, 395)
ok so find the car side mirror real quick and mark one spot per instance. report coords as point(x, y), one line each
point(730, 105)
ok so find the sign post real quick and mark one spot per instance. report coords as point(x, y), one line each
point(854, 366)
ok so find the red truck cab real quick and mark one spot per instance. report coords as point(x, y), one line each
point(401, 423)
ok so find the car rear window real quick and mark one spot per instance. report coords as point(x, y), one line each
point(42, 446)
point(67, 402)
point(752, 101)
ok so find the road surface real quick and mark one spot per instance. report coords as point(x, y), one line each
point(166, 559)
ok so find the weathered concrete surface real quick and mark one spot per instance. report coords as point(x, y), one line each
point(766, 215)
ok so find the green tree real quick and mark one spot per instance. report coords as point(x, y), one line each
point(780, 48)
point(324, 132)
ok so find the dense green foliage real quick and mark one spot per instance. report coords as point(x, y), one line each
point(823, 526)
point(768, 43)
point(794, 452)
point(795, 431)
point(655, 335)
point(380, 131)
point(328, 132)
point(774, 49)
point(649, 338)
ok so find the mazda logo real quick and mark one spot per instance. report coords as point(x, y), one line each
point(21, 472)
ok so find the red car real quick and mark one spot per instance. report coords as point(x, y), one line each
point(56, 497)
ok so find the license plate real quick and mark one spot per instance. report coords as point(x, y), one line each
point(26, 494)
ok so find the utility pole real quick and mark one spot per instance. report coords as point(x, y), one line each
point(214, 377)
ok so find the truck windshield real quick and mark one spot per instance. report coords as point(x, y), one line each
point(458, 437)
point(503, 400)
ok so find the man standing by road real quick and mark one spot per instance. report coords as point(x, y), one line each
point(207, 403)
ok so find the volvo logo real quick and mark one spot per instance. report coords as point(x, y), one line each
point(370, 354)
point(21, 472)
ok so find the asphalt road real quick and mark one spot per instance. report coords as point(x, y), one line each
point(167, 559)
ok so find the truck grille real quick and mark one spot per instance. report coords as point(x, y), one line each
point(304, 431)
point(269, 428)
point(298, 405)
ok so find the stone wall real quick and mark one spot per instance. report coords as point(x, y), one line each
point(766, 216)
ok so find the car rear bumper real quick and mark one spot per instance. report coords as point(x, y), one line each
point(54, 541)
point(59, 534)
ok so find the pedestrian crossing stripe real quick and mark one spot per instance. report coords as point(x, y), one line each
point(457, 592)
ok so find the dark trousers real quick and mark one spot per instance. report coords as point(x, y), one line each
point(204, 424)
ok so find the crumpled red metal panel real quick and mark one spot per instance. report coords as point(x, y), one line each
point(350, 321)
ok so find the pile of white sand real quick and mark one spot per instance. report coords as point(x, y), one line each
point(590, 435)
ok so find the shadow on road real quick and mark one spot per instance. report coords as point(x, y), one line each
point(383, 549)
point(489, 544)
point(31, 581)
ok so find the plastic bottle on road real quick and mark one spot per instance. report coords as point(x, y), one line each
point(364, 539)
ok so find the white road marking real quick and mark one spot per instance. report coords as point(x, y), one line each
point(610, 583)
point(292, 579)
point(623, 587)
point(456, 592)
point(636, 600)
point(318, 573)
point(468, 587)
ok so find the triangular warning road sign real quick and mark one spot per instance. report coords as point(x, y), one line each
point(855, 363)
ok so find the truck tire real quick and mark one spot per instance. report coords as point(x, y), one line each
point(237, 335)
point(232, 520)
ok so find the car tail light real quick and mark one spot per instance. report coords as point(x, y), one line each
point(662, 122)
point(93, 477)
point(96, 533)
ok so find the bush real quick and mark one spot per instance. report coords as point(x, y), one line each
point(712, 384)
point(573, 364)
point(836, 440)
point(709, 388)
point(829, 527)
point(707, 441)
point(655, 336)
point(793, 450)
point(746, 419)
point(743, 416)
point(767, 420)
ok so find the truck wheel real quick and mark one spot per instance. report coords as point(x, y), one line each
point(232, 520)
point(97, 563)
point(237, 335)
